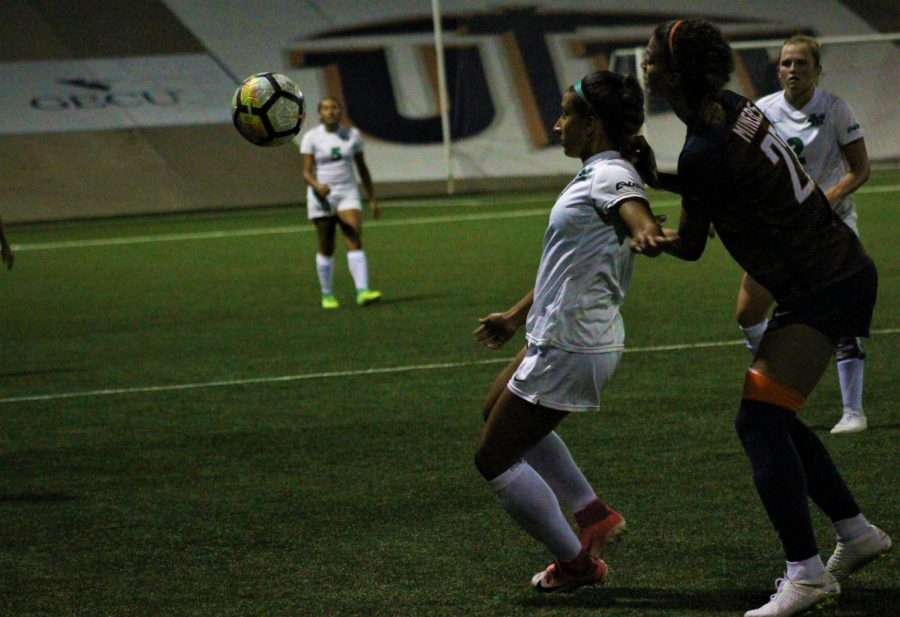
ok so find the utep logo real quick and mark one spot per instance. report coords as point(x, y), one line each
point(100, 94)
point(816, 119)
point(584, 174)
point(365, 65)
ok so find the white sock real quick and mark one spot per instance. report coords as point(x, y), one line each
point(754, 335)
point(806, 570)
point(851, 528)
point(359, 269)
point(553, 461)
point(850, 376)
point(531, 503)
point(325, 270)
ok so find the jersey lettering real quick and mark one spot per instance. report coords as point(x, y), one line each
point(336, 154)
point(776, 150)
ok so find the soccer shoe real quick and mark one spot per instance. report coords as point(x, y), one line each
point(330, 302)
point(851, 422)
point(795, 597)
point(596, 536)
point(559, 578)
point(367, 297)
point(852, 555)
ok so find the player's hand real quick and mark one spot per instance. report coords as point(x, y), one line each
point(645, 161)
point(494, 331)
point(324, 190)
point(376, 211)
point(648, 244)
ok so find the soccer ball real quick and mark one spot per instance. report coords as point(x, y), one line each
point(267, 109)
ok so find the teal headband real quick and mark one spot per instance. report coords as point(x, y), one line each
point(577, 88)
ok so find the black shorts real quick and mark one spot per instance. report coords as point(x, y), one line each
point(844, 309)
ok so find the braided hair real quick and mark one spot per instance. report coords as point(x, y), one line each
point(701, 61)
point(617, 100)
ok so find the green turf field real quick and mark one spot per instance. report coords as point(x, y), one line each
point(183, 431)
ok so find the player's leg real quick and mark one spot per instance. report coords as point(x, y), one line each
point(789, 363)
point(513, 427)
point(598, 524)
point(850, 358)
point(351, 225)
point(751, 310)
point(325, 231)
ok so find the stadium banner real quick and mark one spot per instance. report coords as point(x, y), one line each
point(113, 93)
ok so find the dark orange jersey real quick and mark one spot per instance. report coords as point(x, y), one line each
point(769, 214)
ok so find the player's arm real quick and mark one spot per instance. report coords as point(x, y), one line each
point(366, 178)
point(646, 235)
point(497, 328)
point(309, 174)
point(858, 161)
point(645, 163)
point(688, 241)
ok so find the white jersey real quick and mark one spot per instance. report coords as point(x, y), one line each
point(586, 263)
point(333, 153)
point(816, 133)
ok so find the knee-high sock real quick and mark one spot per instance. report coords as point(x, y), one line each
point(553, 461)
point(531, 503)
point(824, 482)
point(325, 270)
point(850, 377)
point(359, 268)
point(754, 335)
point(778, 474)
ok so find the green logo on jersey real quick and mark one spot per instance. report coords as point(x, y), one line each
point(816, 119)
point(797, 146)
point(336, 154)
point(584, 174)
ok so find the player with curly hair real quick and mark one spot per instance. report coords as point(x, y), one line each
point(574, 332)
point(735, 172)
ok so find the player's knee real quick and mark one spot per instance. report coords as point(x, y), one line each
point(849, 348)
point(485, 464)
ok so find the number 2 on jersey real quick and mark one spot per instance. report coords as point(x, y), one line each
point(775, 149)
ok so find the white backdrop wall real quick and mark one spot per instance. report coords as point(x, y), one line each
point(161, 122)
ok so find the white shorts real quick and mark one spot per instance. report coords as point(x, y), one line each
point(341, 197)
point(563, 380)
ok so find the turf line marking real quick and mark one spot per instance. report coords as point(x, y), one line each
point(293, 229)
point(348, 373)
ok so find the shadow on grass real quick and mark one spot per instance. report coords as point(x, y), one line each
point(31, 498)
point(44, 371)
point(409, 298)
point(873, 602)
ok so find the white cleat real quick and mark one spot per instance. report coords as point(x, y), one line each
point(852, 555)
point(795, 597)
point(851, 422)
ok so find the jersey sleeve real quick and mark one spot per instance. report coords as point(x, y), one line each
point(356, 141)
point(703, 172)
point(306, 144)
point(617, 183)
point(846, 126)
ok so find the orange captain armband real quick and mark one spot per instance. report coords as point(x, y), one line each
point(762, 388)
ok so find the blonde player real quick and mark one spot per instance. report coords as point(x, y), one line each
point(332, 199)
point(574, 332)
point(827, 138)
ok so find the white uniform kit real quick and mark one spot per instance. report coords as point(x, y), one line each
point(574, 329)
point(333, 155)
point(816, 133)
